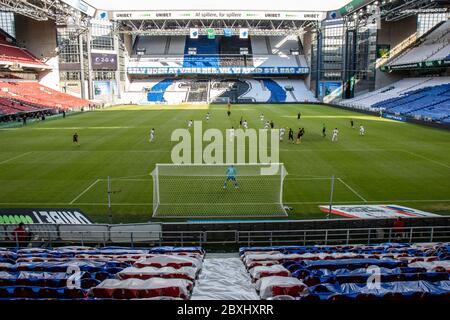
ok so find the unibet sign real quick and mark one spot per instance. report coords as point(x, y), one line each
point(43, 216)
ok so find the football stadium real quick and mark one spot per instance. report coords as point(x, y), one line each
point(225, 150)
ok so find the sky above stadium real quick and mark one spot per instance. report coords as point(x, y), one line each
point(268, 5)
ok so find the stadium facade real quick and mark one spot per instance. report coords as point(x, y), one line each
point(174, 53)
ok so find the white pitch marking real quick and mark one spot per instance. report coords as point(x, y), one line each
point(16, 157)
point(352, 190)
point(428, 159)
point(285, 202)
point(84, 191)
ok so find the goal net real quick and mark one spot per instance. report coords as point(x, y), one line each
point(209, 190)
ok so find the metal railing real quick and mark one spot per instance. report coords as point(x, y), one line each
point(107, 237)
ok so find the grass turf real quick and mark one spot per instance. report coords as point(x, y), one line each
point(394, 163)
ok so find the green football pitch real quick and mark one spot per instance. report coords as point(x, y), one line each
point(394, 163)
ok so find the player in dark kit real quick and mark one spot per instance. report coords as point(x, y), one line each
point(324, 129)
point(299, 115)
point(291, 135)
point(351, 123)
point(75, 139)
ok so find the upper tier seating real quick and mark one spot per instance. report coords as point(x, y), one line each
point(435, 46)
point(105, 273)
point(276, 52)
point(37, 96)
point(13, 54)
point(341, 272)
point(207, 52)
point(152, 45)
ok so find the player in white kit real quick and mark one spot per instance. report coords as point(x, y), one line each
point(152, 135)
point(335, 135)
point(282, 132)
point(231, 133)
point(261, 117)
point(189, 123)
point(245, 124)
point(361, 130)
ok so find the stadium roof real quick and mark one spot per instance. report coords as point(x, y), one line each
point(266, 5)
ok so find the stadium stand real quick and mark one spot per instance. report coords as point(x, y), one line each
point(10, 54)
point(156, 94)
point(405, 271)
point(32, 95)
point(104, 273)
point(174, 91)
point(416, 97)
point(435, 46)
point(277, 93)
point(207, 52)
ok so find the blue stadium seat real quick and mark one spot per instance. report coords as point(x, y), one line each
point(277, 93)
point(156, 94)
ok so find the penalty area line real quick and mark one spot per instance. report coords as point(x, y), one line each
point(352, 190)
point(427, 159)
point(16, 157)
point(84, 191)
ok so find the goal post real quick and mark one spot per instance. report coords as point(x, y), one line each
point(203, 190)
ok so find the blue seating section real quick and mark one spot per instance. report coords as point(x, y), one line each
point(343, 272)
point(48, 273)
point(431, 102)
point(156, 94)
point(277, 93)
point(207, 53)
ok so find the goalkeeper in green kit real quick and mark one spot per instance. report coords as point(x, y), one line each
point(231, 176)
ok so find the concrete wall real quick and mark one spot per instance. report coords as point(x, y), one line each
point(393, 34)
point(128, 43)
point(39, 37)
point(307, 52)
